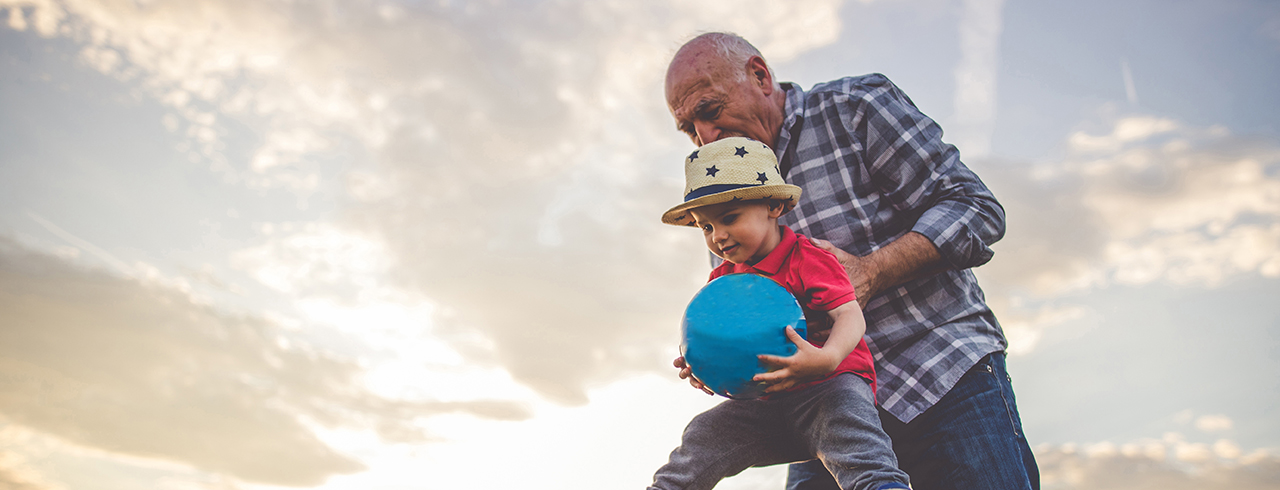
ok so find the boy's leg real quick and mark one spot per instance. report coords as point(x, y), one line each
point(810, 475)
point(839, 419)
point(971, 439)
point(723, 441)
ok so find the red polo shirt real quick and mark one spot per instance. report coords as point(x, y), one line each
point(819, 283)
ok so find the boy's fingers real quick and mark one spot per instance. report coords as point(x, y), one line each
point(696, 383)
point(772, 375)
point(774, 362)
point(779, 386)
point(795, 338)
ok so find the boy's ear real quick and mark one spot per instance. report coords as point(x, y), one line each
point(775, 208)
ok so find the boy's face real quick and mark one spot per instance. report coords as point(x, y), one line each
point(740, 232)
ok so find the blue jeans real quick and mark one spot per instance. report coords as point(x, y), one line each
point(835, 420)
point(970, 440)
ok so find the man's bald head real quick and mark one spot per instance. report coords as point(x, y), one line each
point(718, 53)
point(718, 85)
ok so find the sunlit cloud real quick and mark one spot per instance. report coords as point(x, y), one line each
point(1150, 200)
point(17, 474)
point(1170, 462)
point(1214, 423)
point(108, 362)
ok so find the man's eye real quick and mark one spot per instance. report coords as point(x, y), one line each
point(709, 113)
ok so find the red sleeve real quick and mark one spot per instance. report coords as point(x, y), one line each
point(826, 282)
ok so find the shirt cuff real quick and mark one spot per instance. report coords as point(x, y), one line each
point(949, 225)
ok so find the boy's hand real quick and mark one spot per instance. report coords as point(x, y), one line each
point(808, 363)
point(686, 373)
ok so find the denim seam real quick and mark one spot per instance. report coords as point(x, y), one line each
point(1003, 398)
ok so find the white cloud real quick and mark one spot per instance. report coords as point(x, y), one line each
point(484, 144)
point(975, 77)
point(1152, 200)
point(1170, 463)
point(136, 368)
point(17, 474)
point(1126, 130)
point(1214, 423)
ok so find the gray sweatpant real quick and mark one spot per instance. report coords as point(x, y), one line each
point(835, 421)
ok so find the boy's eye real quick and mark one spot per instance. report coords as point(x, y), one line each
point(706, 228)
point(729, 219)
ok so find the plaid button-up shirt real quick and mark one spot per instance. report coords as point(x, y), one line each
point(873, 167)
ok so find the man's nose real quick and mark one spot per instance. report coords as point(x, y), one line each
point(707, 132)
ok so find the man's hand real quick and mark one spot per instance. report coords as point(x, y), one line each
point(807, 364)
point(860, 271)
point(686, 373)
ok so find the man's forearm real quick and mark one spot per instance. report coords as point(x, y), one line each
point(910, 257)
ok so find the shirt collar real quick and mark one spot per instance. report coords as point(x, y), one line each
point(792, 116)
point(772, 263)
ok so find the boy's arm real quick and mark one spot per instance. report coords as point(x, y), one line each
point(811, 362)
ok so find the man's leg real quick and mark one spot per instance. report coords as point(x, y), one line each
point(971, 439)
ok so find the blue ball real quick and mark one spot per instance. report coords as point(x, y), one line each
point(731, 320)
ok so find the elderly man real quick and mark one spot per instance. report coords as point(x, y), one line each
point(908, 220)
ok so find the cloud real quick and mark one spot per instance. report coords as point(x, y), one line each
point(1213, 423)
point(16, 474)
point(1130, 91)
point(1166, 464)
point(975, 77)
point(485, 144)
point(1149, 200)
point(136, 368)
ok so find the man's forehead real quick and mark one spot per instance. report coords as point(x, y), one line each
point(682, 95)
point(696, 66)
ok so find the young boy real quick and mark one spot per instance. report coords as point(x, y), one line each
point(820, 403)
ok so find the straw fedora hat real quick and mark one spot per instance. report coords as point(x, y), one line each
point(731, 169)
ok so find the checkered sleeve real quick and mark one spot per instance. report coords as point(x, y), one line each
point(922, 176)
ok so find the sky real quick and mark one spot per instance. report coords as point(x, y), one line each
point(386, 244)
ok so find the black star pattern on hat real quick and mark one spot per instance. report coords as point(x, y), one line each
point(742, 151)
point(693, 156)
point(711, 171)
point(760, 177)
point(735, 198)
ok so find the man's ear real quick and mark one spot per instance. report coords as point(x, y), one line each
point(758, 70)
